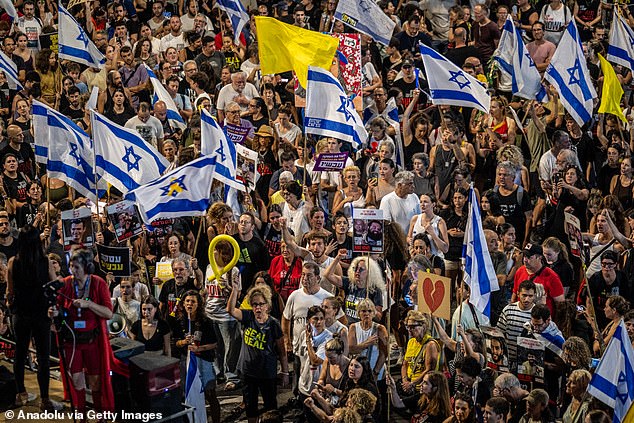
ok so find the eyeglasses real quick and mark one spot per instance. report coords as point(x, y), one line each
point(412, 327)
point(407, 66)
point(607, 264)
point(365, 311)
point(254, 305)
point(233, 111)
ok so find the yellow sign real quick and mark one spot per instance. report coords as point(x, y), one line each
point(164, 271)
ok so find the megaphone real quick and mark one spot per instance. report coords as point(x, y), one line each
point(116, 325)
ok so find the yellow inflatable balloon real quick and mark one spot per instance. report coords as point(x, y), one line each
point(212, 259)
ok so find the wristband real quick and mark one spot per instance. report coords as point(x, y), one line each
point(284, 373)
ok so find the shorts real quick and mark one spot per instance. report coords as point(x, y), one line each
point(83, 356)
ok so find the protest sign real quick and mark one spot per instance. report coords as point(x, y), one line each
point(572, 226)
point(497, 351)
point(77, 228)
point(125, 218)
point(530, 362)
point(433, 295)
point(367, 225)
point(237, 134)
point(330, 162)
point(246, 166)
point(115, 260)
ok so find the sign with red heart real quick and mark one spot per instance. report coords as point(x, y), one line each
point(433, 295)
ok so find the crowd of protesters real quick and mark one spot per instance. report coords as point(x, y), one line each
point(302, 307)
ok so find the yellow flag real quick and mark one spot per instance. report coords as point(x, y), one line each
point(629, 417)
point(612, 91)
point(284, 47)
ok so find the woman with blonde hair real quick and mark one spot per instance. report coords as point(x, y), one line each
point(363, 402)
point(497, 124)
point(576, 387)
point(220, 220)
point(512, 153)
point(352, 195)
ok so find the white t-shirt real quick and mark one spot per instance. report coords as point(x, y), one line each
point(400, 210)
point(150, 131)
point(32, 28)
point(297, 221)
point(227, 94)
point(178, 42)
point(554, 21)
point(296, 310)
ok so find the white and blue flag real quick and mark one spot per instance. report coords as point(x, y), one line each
point(390, 114)
point(213, 141)
point(185, 191)
point(74, 43)
point(124, 159)
point(366, 17)
point(10, 69)
point(613, 379)
point(516, 62)
point(329, 111)
point(450, 85)
point(68, 150)
point(8, 7)
point(194, 390)
point(161, 94)
point(621, 44)
point(569, 74)
point(238, 15)
point(479, 272)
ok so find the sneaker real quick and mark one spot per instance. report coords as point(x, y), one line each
point(50, 405)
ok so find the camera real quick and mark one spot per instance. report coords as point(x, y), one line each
point(557, 176)
point(50, 292)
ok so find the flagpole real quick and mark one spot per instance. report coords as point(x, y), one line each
point(200, 229)
point(389, 307)
point(94, 152)
point(48, 201)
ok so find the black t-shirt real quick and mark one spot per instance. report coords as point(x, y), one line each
point(202, 329)
point(73, 114)
point(16, 187)
point(601, 291)
point(272, 239)
point(410, 44)
point(458, 55)
point(512, 208)
point(258, 357)
point(254, 257)
point(155, 343)
point(408, 90)
point(26, 157)
point(172, 293)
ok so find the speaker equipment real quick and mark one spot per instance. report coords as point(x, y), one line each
point(156, 383)
point(116, 324)
point(124, 348)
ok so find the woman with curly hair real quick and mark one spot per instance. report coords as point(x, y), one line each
point(512, 153)
point(47, 66)
point(577, 356)
point(363, 402)
point(434, 404)
point(220, 220)
point(463, 409)
point(365, 281)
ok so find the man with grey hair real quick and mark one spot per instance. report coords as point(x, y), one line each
point(508, 386)
point(172, 290)
point(239, 91)
point(401, 204)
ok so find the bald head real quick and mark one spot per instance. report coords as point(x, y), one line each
point(460, 33)
point(15, 135)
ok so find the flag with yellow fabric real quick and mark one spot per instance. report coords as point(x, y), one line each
point(629, 417)
point(612, 91)
point(283, 47)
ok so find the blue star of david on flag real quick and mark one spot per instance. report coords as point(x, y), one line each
point(174, 187)
point(530, 60)
point(345, 104)
point(454, 78)
point(576, 77)
point(74, 153)
point(131, 159)
point(82, 37)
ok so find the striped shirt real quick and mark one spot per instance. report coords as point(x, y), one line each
point(511, 324)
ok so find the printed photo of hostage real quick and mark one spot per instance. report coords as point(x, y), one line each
point(125, 219)
point(78, 230)
point(367, 227)
point(530, 359)
point(497, 352)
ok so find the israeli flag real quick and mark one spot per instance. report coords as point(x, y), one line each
point(366, 17)
point(124, 159)
point(8, 7)
point(74, 43)
point(621, 47)
point(161, 94)
point(194, 390)
point(329, 111)
point(515, 61)
point(10, 69)
point(185, 191)
point(213, 141)
point(450, 85)
point(479, 272)
point(390, 114)
point(613, 380)
point(569, 74)
point(238, 15)
point(69, 156)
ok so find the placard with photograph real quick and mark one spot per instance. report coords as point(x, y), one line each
point(367, 230)
point(530, 362)
point(246, 166)
point(77, 228)
point(125, 219)
point(497, 351)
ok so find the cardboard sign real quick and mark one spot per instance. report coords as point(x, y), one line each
point(367, 226)
point(433, 295)
point(77, 228)
point(327, 162)
point(115, 260)
point(125, 219)
point(530, 363)
point(247, 165)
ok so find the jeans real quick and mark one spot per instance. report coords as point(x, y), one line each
point(39, 328)
point(228, 350)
